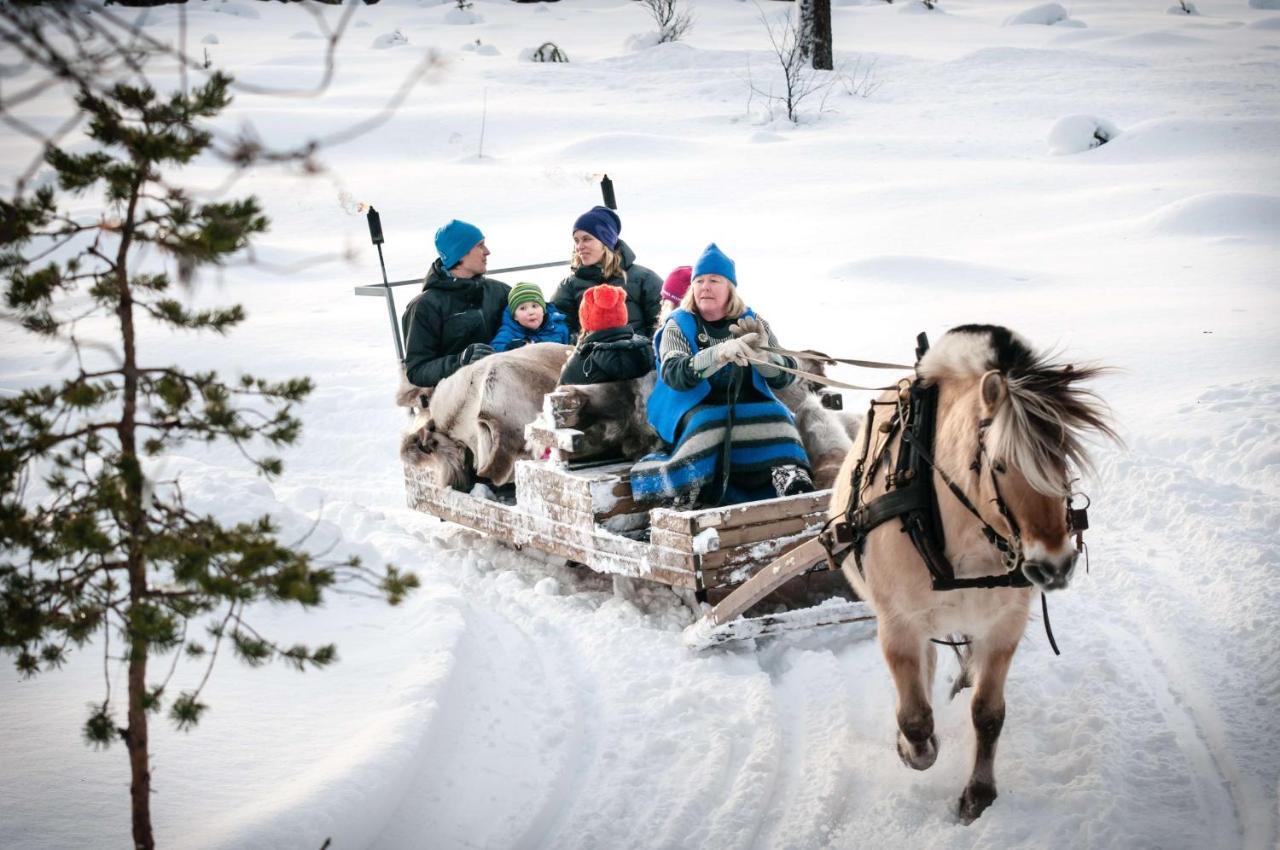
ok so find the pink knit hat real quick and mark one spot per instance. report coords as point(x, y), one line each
point(677, 284)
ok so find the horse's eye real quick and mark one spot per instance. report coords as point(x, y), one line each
point(997, 466)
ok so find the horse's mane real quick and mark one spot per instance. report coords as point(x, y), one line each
point(1041, 427)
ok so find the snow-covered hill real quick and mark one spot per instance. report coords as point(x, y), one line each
point(517, 703)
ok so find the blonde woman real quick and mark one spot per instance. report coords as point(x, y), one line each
point(730, 438)
point(600, 256)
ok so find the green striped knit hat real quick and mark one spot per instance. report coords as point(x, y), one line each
point(522, 292)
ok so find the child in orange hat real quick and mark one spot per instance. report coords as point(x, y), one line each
point(607, 349)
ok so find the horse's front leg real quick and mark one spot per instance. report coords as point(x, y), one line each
point(908, 654)
point(987, 710)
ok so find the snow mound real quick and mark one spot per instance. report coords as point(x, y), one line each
point(1157, 40)
point(210, 39)
point(391, 39)
point(1047, 15)
point(633, 146)
point(480, 49)
point(1022, 60)
point(1221, 214)
point(1187, 138)
point(917, 7)
point(237, 10)
point(928, 272)
point(1079, 133)
point(642, 41)
point(1270, 5)
point(1266, 24)
point(462, 17)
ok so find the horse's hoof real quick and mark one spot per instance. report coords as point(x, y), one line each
point(974, 801)
point(918, 757)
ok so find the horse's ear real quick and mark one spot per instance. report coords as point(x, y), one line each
point(994, 391)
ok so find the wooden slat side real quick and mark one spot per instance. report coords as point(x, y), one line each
point(558, 531)
point(752, 513)
point(677, 521)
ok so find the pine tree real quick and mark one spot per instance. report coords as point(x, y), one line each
point(92, 549)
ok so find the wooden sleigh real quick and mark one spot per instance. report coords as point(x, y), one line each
point(751, 570)
point(754, 569)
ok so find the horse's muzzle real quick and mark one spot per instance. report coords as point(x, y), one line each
point(1050, 573)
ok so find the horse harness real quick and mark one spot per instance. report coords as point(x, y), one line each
point(910, 495)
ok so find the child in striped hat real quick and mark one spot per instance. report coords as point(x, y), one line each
point(529, 318)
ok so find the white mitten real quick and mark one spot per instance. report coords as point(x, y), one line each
point(749, 325)
point(713, 358)
point(769, 371)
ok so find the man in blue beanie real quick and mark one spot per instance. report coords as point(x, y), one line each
point(459, 310)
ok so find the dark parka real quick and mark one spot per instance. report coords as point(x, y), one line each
point(644, 292)
point(614, 354)
point(450, 314)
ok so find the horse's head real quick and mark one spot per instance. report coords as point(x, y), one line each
point(1016, 420)
point(423, 445)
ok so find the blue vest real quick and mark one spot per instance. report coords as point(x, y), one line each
point(667, 406)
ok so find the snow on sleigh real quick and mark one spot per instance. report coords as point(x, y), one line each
point(747, 570)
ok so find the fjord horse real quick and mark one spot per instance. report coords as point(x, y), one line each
point(1009, 428)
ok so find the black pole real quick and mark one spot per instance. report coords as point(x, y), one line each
point(606, 189)
point(375, 233)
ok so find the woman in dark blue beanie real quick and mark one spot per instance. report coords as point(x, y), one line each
point(730, 438)
point(600, 256)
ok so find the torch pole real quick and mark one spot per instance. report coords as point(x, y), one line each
point(375, 233)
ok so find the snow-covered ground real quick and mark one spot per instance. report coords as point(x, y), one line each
point(516, 703)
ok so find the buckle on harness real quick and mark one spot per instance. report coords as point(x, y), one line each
point(842, 533)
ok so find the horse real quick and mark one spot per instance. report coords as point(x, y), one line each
point(1010, 425)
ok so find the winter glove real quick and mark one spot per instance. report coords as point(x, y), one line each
point(474, 352)
point(770, 371)
point(713, 358)
point(517, 343)
point(749, 325)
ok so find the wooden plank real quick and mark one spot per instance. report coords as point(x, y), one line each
point(794, 563)
point(746, 535)
point(565, 408)
point(565, 439)
point(768, 510)
point(680, 522)
point(728, 560)
point(556, 530)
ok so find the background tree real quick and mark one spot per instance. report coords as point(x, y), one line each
point(815, 33)
point(92, 548)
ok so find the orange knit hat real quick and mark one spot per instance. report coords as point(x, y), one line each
point(603, 307)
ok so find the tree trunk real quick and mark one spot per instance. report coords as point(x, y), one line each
point(815, 33)
point(131, 471)
point(136, 740)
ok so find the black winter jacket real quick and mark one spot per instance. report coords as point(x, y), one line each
point(615, 354)
point(449, 314)
point(644, 293)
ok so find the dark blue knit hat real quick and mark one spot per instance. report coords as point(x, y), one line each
point(602, 223)
point(454, 240)
point(714, 261)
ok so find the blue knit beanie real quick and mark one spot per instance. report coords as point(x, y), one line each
point(454, 240)
point(713, 261)
point(602, 223)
